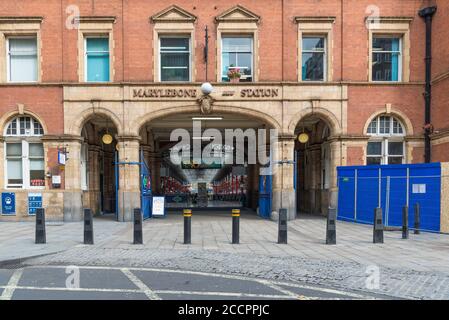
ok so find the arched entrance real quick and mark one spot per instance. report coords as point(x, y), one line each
point(98, 154)
point(314, 166)
point(227, 173)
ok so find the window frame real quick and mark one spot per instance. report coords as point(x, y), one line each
point(325, 55)
point(24, 140)
point(400, 58)
point(385, 139)
point(94, 36)
point(238, 35)
point(183, 36)
point(8, 57)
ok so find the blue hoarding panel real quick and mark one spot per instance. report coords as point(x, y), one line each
point(346, 183)
point(399, 185)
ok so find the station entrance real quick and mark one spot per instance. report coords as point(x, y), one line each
point(218, 180)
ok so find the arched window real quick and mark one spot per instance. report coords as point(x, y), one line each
point(386, 144)
point(24, 156)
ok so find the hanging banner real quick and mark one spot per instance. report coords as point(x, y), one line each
point(8, 203)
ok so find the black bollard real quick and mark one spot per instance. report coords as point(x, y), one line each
point(282, 232)
point(88, 227)
point(417, 218)
point(187, 226)
point(405, 222)
point(331, 230)
point(40, 226)
point(235, 226)
point(138, 233)
point(378, 228)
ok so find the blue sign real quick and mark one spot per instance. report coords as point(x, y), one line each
point(34, 202)
point(8, 203)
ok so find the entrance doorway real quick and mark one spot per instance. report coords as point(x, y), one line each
point(313, 171)
point(98, 172)
point(219, 180)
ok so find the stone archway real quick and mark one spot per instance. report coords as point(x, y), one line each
point(154, 127)
point(316, 162)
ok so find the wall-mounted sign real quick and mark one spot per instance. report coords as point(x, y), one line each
point(419, 188)
point(164, 93)
point(34, 202)
point(61, 158)
point(158, 206)
point(8, 203)
point(56, 181)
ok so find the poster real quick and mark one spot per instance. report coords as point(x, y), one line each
point(8, 203)
point(34, 202)
point(158, 206)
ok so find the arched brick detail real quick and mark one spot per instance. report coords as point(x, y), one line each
point(77, 127)
point(7, 117)
point(405, 121)
point(320, 112)
point(137, 124)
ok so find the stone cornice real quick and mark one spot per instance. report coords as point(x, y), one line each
point(62, 137)
point(246, 15)
point(95, 19)
point(14, 19)
point(181, 15)
point(313, 19)
point(389, 19)
point(123, 138)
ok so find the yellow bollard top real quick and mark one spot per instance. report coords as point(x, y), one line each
point(187, 212)
point(236, 212)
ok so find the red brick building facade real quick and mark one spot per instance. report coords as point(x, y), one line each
point(336, 108)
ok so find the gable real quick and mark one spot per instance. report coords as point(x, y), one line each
point(237, 14)
point(173, 14)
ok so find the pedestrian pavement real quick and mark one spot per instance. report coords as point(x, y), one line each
point(414, 268)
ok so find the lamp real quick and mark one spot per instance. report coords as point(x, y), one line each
point(207, 88)
point(107, 138)
point(303, 138)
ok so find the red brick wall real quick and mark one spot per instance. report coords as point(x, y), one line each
point(355, 156)
point(134, 60)
point(45, 101)
point(440, 153)
point(367, 100)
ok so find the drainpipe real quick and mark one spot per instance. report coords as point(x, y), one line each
point(427, 14)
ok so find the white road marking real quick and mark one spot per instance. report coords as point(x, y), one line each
point(12, 285)
point(226, 276)
point(224, 294)
point(202, 293)
point(142, 286)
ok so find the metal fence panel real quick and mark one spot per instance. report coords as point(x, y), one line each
point(364, 188)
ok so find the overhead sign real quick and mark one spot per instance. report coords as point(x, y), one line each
point(8, 203)
point(34, 202)
point(158, 206)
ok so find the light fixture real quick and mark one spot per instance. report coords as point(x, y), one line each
point(107, 138)
point(303, 138)
point(207, 118)
point(207, 88)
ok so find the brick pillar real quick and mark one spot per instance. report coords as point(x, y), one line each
point(73, 194)
point(93, 192)
point(129, 176)
point(283, 189)
point(155, 165)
